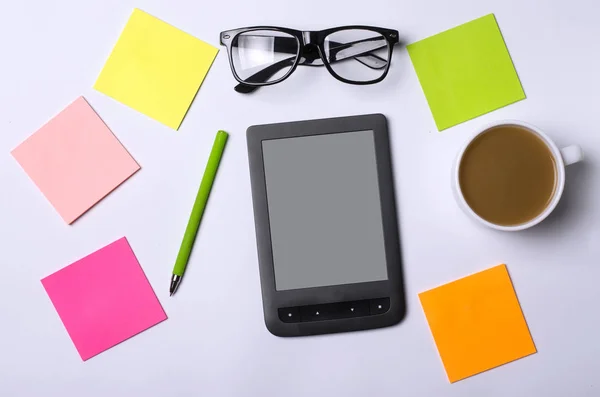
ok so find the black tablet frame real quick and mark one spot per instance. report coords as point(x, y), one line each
point(392, 287)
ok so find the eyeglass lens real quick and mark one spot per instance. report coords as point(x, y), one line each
point(263, 56)
point(357, 54)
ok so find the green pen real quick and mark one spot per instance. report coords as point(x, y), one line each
point(201, 198)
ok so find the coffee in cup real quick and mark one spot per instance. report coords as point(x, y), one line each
point(510, 175)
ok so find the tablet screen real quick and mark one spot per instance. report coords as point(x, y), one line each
point(324, 210)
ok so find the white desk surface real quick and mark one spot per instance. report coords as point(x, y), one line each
point(215, 342)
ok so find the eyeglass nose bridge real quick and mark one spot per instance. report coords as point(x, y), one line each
point(309, 38)
point(309, 53)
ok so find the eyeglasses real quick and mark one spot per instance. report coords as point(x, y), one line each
point(266, 55)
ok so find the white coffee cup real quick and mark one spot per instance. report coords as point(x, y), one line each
point(562, 157)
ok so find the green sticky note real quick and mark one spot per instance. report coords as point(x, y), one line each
point(466, 72)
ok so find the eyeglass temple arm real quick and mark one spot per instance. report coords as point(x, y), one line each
point(339, 52)
point(263, 75)
point(370, 60)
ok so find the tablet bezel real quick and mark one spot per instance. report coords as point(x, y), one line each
point(392, 287)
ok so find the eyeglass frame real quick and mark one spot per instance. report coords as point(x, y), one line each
point(316, 39)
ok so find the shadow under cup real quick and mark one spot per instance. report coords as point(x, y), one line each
point(508, 175)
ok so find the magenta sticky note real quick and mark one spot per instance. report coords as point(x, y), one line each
point(104, 299)
point(75, 160)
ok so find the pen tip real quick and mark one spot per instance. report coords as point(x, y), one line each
point(175, 280)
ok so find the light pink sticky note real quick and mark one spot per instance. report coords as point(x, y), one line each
point(104, 299)
point(75, 160)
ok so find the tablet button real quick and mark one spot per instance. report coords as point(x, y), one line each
point(317, 313)
point(335, 311)
point(354, 309)
point(380, 306)
point(289, 315)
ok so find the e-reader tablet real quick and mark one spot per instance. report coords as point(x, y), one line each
point(326, 225)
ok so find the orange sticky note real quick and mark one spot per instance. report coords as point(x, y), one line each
point(477, 323)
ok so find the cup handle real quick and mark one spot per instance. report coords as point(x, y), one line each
point(572, 154)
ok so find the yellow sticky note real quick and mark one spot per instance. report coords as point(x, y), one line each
point(477, 323)
point(466, 72)
point(156, 68)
